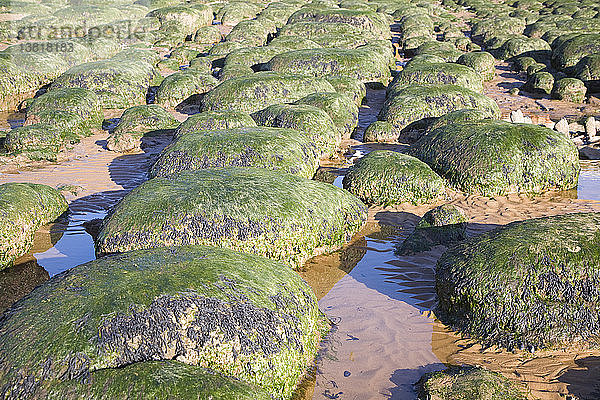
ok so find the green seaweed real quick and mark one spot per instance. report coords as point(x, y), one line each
point(179, 86)
point(569, 89)
point(481, 61)
point(262, 89)
point(279, 149)
point(236, 314)
point(530, 284)
point(437, 74)
point(24, 207)
point(214, 120)
point(277, 215)
point(341, 108)
point(386, 177)
point(496, 157)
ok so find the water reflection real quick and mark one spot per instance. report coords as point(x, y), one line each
point(588, 187)
point(19, 280)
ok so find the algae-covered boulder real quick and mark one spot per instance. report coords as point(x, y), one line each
point(386, 178)
point(540, 82)
point(179, 86)
point(157, 380)
point(251, 32)
point(443, 225)
point(340, 107)
point(496, 157)
point(569, 89)
point(39, 141)
point(215, 120)
point(262, 89)
point(137, 121)
point(588, 70)
point(366, 21)
point(380, 131)
point(364, 63)
point(406, 105)
point(235, 314)
point(270, 213)
point(351, 87)
point(24, 207)
point(571, 51)
point(439, 74)
point(464, 115)
point(531, 284)
point(313, 121)
point(481, 61)
point(279, 149)
point(119, 83)
point(467, 383)
point(524, 46)
point(81, 102)
point(188, 18)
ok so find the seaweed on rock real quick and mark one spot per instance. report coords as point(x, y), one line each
point(285, 150)
point(530, 284)
point(214, 120)
point(233, 313)
point(270, 213)
point(497, 157)
point(24, 207)
point(386, 178)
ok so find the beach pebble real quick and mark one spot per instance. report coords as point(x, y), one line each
point(517, 117)
point(562, 126)
point(591, 127)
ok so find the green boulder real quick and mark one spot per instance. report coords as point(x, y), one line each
point(351, 87)
point(170, 309)
point(118, 83)
point(278, 149)
point(540, 82)
point(182, 85)
point(312, 121)
point(524, 46)
point(380, 131)
point(137, 121)
point(444, 225)
point(215, 120)
point(262, 89)
point(530, 284)
point(366, 63)
point(405, 105)
point(386, 177)
point(439, 74)
point(188, 18)
point(481, 61)
point(467, 383)
point(569, 89)
point(342, 110)
point(568, 53)
point(24, 208)
point(588, 70)
point(269, 213)
point(492, 157)
point(40, 141)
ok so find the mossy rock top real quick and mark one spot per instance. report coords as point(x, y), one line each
point(367, 64)
point(135, 122)
point(481, 61)
point(351, 87)
point(405, 105)
point(24, 207)
point(214, 120)
point(572, 50)
point(264, 212)
point(467, 383)
point(387, 177)
point(157, 380)
point(279, 149)
point(313, 121)
point(179, 86)
point(262, 89)
point(340, 107)
point(368, 21)
point(439, 74)
point(233, 313)
point(530, 284)
point(82, 102)
point(496, 157)
point(446, 214)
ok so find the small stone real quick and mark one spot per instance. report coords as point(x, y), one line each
point(549, 124)
point(562, 126)
point(527, 120)
point(514, 91)
point(591, 127)
point(575, 127)
point(517, 117)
